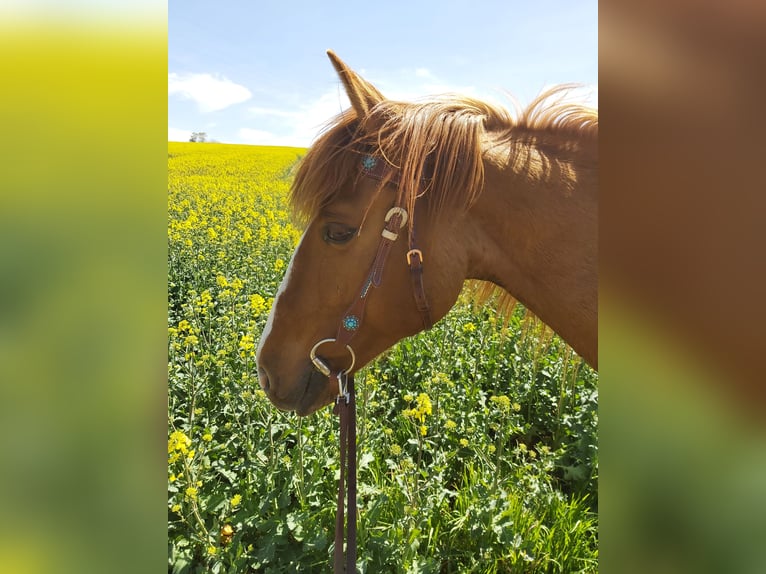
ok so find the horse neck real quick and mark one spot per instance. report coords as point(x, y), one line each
point(534, 232)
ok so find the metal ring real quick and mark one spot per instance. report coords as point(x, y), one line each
point(397, 210)
point(321, 366)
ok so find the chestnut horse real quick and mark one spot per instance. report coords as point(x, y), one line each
point(404, 202)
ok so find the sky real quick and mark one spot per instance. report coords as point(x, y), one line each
point(256, 72)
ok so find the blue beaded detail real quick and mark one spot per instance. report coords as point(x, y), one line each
point(369, 162)
point(351, 323)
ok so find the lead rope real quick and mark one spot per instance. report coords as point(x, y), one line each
point(345, 408)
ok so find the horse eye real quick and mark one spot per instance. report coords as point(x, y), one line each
point(338, 233)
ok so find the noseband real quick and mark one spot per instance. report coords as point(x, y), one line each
point(352, 320)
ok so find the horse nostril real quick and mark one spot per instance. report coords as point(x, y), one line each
point(263, 379)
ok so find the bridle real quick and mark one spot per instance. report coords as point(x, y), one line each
point(351, 322)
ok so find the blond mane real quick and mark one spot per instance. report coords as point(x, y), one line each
point(435, 145)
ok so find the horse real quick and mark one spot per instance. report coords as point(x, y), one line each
point(473, 191)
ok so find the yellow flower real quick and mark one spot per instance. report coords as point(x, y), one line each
point(422, 408)
point(463, 442)
point(469, 328)
point(279, 264)
point(257, 304)
point(450, 425)
point(204, 301)
point(175, 507)
point(191, 493)
point(207, 437)
point(178, 442)
point(247, 345)
point(396, 450)
point(424, 404)
point(211, 550)
point(502, 401)
point(236, 499)
point(440, 378)
point(423, 430)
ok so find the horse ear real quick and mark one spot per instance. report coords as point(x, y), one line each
point(363, 95)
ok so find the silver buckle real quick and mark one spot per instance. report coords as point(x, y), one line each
point(397, 210)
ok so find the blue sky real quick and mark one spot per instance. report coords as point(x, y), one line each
point(256, 71)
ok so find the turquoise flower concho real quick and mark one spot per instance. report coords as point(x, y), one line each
point(351, 323)
point(369, 162)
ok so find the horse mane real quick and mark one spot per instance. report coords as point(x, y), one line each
point(551, 112)
point(437, 148)
point(435, 145)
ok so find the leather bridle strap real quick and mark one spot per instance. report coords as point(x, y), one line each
point(345, 408)
point(379, 169)
point(415, 263)
point(396, 218)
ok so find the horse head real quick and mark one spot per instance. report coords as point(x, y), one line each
point(354, 285)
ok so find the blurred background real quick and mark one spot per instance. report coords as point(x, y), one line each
point(83, 286)
point(682, 275)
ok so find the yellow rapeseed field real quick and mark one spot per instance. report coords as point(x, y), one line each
point(231, 196)
point(475, 452)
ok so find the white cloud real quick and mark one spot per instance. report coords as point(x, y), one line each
point(313, 117)
point(176, 135)
point(418, 84)
point(299, 126)
point(272, 112)
point(263, 137)
point(211, 93)
point(423, 73)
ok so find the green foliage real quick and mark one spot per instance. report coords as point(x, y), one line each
point(477, 439)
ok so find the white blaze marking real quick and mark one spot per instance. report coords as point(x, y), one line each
point(273, 312)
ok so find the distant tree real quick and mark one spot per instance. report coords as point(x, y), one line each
point(198, 137)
